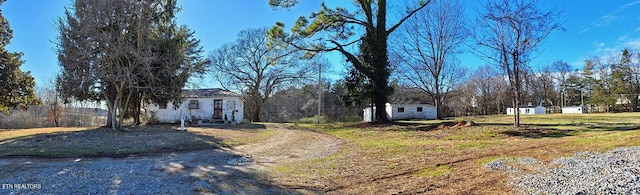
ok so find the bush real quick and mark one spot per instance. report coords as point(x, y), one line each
point(311, 120)
point(153, 118)
point(20, 120)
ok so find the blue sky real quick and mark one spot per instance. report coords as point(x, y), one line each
point(592, 28)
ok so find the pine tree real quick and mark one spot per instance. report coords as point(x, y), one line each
point(16, 87)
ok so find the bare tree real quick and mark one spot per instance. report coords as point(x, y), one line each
point(340, 29)
point(563, 69)
point(509, 33)
point(426, 46)
point(487, 89)
point(257, 67)
point(53, 105)
point(544, 87)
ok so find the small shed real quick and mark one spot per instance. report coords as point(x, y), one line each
point(202, 106)
point(404, 108)
point(574, 110)
point(528, 110)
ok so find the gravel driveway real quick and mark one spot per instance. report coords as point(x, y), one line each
point(613, 172)
point(200, 172)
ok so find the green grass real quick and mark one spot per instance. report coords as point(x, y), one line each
point(410, 154)
point(438, 171)
point(551, 132)
point(604, 141)
point(595, 121)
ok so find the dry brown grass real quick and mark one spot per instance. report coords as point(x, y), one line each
point(414, 157)
point(145, 140)
point(423, 157)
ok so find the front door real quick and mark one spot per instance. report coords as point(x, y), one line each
point(217, 109)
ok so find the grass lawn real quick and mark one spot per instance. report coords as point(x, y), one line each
point(143, 140)
point(408, 157)
point(420, 157)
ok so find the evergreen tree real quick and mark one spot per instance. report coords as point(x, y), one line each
point(125, 52)
point(16, 87)
point(336, 30)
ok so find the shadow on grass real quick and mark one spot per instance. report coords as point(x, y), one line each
point(525, 131)
point(589, 126)
point(105, 142)
point(243, 126)
point(533, 132)
point(436, 126)
point(612, 126)
point(188, 160)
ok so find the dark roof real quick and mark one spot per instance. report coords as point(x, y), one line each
point(529, 106)
point(211, 92)
point(409, 96)
point(407, 100)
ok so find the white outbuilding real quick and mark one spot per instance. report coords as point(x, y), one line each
point(201, 106)
point(404, 108)
point(528, 110)
point(574, 110)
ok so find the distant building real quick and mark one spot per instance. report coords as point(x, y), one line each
point(528, 110)
point(574, 110)
point(404, 108)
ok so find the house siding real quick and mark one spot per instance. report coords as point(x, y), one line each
point(204, 111)
point(528, 110)
point(574, 110)
point(410, 112)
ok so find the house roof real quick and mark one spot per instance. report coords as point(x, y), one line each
point(409, 96)
point(210, 92)
point(528, 106)
point(407, 100)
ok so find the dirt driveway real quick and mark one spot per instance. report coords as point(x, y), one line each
point(215, 171)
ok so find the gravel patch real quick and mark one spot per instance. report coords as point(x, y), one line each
point(201, 172)
point(613, 172)
point(238, 170)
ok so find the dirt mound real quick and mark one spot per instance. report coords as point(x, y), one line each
point(455, 125)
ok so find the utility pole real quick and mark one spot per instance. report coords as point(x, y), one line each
point(319, 91)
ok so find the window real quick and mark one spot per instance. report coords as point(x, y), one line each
point(419, 109)
point(400, 109)
point(526, 111)
point(193, 104)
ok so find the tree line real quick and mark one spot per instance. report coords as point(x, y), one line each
point(609, 83)
point(127, 53)
point(506, 34)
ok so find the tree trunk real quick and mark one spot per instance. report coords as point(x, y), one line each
point(256, 107)
point(137, 107)
point(516, 109)
point(437, 101)
point(516, 99)
point(109, 118)
point(380, 102)
point(55, 109)
point(255, 116)
point(380, 63)
point(110, 97)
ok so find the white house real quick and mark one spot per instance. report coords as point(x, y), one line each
point(574, 110)
point(528, 110)
point(202, 106)
point(404, 108)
